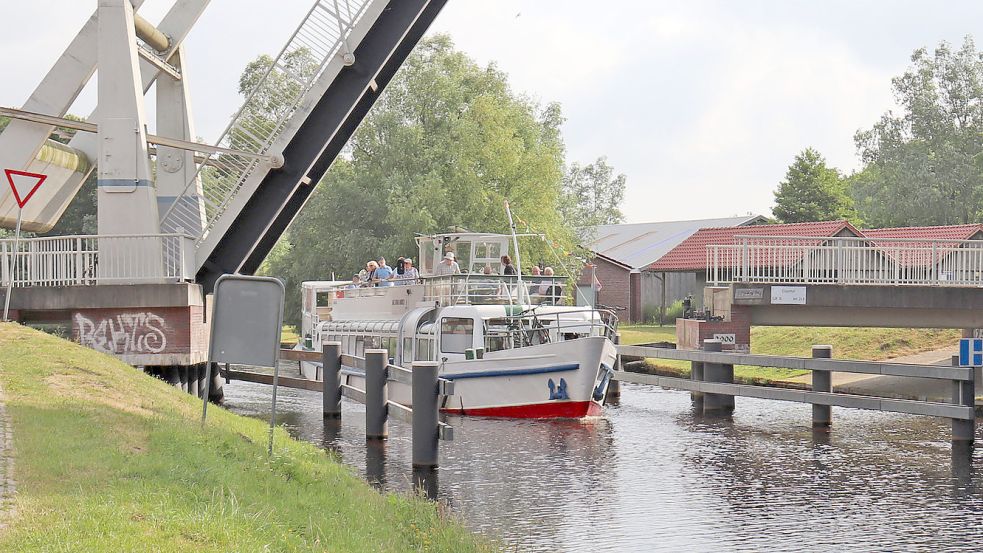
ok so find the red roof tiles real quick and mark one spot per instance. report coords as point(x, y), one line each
point(952, 232)
point(691, 254)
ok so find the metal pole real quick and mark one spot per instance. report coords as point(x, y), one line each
point(331, 383)
point(12, 265)
point(716, 372)
point(276, 381)
point(376, 395)
point(425, 407)
point(963, 393)
point(822, 381)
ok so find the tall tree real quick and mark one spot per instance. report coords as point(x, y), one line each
point(922, 166)
point(812, 191)
point(446, 144)
point(592, 196)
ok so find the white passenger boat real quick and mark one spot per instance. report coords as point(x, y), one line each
point(507, 343)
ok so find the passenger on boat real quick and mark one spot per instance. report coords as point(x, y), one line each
point(549, 289)
point(447, 266)
point(507, 267)
point(370, 269)
point(487, 270)
point(410, 274)
point(400, 266)
point(356, 282)
point(384, 274)
point(536, 271)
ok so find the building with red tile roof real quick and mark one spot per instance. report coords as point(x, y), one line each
point(691, 254)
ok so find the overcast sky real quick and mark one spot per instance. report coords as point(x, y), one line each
point(702, 104)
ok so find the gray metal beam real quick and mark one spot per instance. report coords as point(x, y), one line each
point(911, 407)
point(801, 363)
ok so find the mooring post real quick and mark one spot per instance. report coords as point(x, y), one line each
point(425, 406)
point(331, 382)
point(614, 386)
point(696, 373)
point(963, 393)
point(717, 372)
point(822, 381)
point(376, 395)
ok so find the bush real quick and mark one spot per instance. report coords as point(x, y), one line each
point(650, 313)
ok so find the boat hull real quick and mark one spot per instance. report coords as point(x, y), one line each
point(555, 380)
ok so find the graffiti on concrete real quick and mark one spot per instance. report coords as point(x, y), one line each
point(123, 333)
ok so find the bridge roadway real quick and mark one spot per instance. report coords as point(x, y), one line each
point(854, 305)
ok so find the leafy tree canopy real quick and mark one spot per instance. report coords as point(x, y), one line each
point(923, 165)
point(812, 191)
point(592, 196)
point(446, 144)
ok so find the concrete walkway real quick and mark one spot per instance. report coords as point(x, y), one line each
point(925, 389)
point(7, 487)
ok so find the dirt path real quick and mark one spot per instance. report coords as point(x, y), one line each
point(7, 486)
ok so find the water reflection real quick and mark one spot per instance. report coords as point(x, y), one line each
point(655, 474)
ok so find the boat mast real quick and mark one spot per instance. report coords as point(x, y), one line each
point(515, 246)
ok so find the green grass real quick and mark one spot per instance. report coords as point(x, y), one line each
point(873, 344)
point(288, 335)
point(108, 459)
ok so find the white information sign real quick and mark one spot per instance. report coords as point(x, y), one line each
point(788, 295)
point(726, 338)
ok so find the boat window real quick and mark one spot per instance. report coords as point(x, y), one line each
point(407, 351)
point(324, 298)
point(359, 346)
point(373, 342)
point(497, 335)
point(424, 347)
point(455, 334)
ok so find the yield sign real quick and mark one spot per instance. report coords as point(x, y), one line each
point(23, 184)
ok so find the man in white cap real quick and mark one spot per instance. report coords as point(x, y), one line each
point(447, 266)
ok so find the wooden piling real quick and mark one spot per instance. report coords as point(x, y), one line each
point(331, 383)
point(822, 381)
point(376, 395)
point(425, 414)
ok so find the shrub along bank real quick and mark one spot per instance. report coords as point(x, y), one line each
point(108, 459)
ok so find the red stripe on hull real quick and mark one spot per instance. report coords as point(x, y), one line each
point(551, 410)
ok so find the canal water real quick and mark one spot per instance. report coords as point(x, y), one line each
point(650, 475)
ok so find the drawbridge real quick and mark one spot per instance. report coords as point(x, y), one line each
point(174, 214)
point(171, 209)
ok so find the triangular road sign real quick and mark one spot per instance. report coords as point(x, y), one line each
point(23, 184)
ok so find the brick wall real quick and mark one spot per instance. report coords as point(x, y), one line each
point(615, 286)
point(144, 336)
point(690, 333)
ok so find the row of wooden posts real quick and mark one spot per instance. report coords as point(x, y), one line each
point(713, 389)
point(426, 388)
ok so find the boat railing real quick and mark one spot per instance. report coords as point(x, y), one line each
point(532, 327)
point(482, 289)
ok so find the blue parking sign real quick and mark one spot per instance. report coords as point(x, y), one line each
point(971, 352)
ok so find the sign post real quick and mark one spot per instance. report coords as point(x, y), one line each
point(24, 185)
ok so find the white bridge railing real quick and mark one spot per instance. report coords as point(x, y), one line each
point(846, 260)
point(97, 259)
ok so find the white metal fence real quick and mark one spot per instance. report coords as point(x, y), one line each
point(93, 259)
point(846, 260)
point(265, 121)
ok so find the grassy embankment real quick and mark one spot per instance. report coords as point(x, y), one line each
point(108, 459)
point(873, 344)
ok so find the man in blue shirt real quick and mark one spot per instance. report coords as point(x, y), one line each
point(384, 273)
